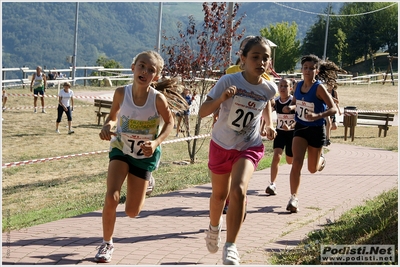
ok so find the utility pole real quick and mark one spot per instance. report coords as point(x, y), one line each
point(75, 44)
point(326, 31)
point(159, 27)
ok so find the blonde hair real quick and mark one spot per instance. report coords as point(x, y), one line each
point(152, 54)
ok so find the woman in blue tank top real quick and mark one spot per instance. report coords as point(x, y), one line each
point(312, 104)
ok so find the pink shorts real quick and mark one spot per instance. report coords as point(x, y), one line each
point(221, 160)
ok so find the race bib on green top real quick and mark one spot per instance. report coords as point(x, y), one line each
point(302, 108)
point(242, 111)
point(132, 143)
point(284, 118)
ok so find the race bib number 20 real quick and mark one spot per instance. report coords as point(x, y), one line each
point(243, 111)
point(132, 143)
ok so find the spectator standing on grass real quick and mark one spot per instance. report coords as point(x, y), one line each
point(38, 84)
point(65, 104)
point(312, 104)
point(285, 124)
point(331, 123)
point(4, 99)
point(184, 114)
point(143, 119)
point(236, 146)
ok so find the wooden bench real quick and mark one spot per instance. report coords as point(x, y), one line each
point(101, 103)
point(374, 118)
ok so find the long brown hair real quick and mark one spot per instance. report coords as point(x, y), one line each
point(171, 88)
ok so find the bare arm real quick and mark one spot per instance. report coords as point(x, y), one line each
point(166, 114)
point(322, 93)
point(149, 147)
point(267, 125)
point(111, 120)
point(211, 105)
point(32, 80)
point(44, 80)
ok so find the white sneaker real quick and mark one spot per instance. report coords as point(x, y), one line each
point(213, 238)
point(34, 111)
point(57, 131)
point(105, 252)
point(271, 189)
point(151, 186)
point(70, 132)
point(230, 255)
point(293, 205)
point(43, 111)
point(323, 163)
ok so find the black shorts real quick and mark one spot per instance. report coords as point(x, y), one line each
point(314, 135)
point(284, 140)
point(134, 170)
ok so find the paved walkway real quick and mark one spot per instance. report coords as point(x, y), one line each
point(170, 228)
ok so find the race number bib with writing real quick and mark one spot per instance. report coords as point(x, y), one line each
point(132, 143)
point(243, 110)
point(282, 119)
point(302, 108)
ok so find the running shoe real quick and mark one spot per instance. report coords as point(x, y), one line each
point(271, 190)
point(226, 207)
point(151, 186)
point(230, 255)
point(213, 238)
point(323, 163)
point(105, 253)
point(293, 205)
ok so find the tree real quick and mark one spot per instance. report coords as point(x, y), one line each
point(197, 52)
point(288, 50)
point(107, 64)
point(341, 46)
point(363, 31)
point(387, 20)
point(314, 41)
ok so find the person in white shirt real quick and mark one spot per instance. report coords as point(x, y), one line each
point(65, 104)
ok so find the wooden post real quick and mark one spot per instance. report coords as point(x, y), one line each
point(85, 75)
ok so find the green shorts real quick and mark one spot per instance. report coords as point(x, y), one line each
point(38, 90)
point(148, 164)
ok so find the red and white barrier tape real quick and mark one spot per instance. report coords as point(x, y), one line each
point(78, 96)
point(30, 107)
point(26, 162)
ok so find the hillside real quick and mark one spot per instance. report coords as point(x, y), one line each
point(381, 65)
point(42, 33)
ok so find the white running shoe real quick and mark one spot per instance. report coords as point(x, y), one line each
point(105, 253)
point(271, 189)
point(230, 255)
point(213, 238)
point(293, 205)
point(323, 163)
point(151, 186)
